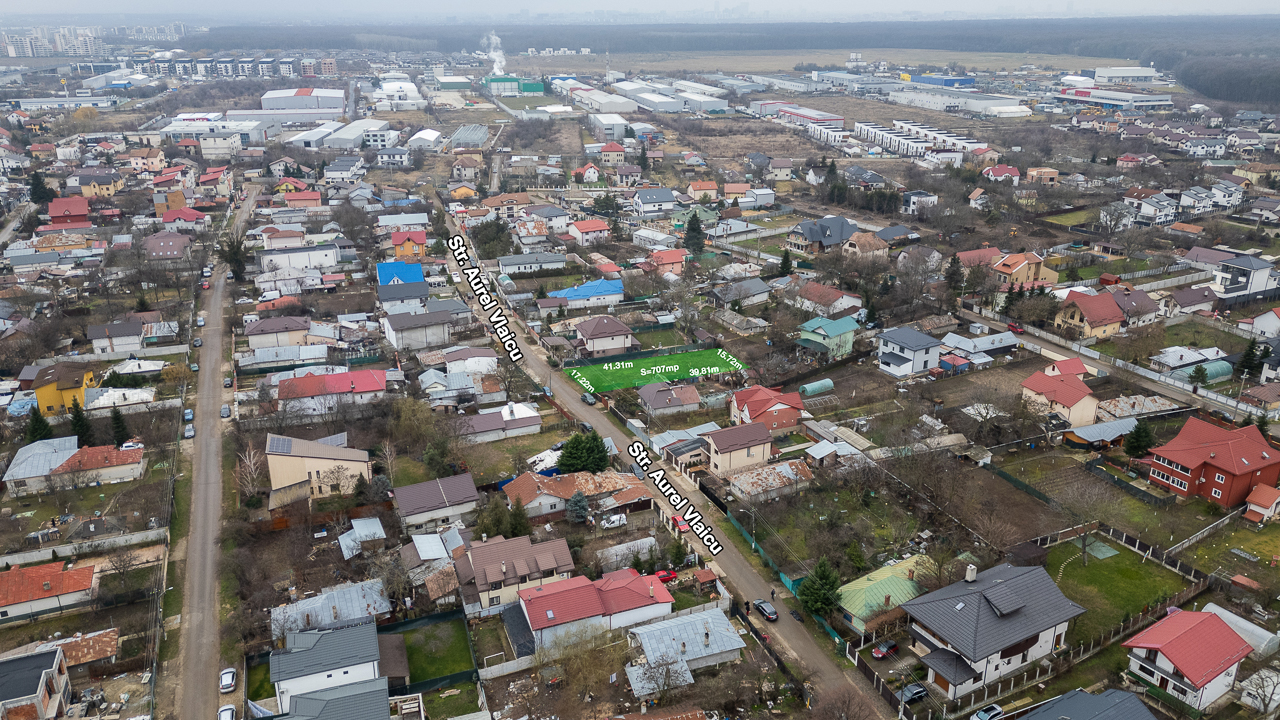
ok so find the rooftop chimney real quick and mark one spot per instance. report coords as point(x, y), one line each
point(706, 639)
point(650, 589)
point(504, 567)
point(970, 573)
point(887, 598)
point(911, 574)
point(683, 649)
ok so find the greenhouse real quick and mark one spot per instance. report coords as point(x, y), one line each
point(1216, 369)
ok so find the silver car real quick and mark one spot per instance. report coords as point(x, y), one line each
point(189, 431)
point(227, 681)
point(227, 712)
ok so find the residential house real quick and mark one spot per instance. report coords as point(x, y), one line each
point(699, 188)
point(369, 699)
point(1245, 278)
point(978, 200)
point(115, 337)
point(323, 394)
point(1023, 268)
point(904, 352)
point(919, 256)
point(98, 464)
point(1138, 307)
point(1097, 316)
point(86, 655)
point(532, 236)
point(817, 237)
point(981, 257)
point(588, 173)
point(1065, 395)
point(737, 448)
point(314, 660)
point(778, 411)
point(1177, 357)
point(1266, 325)
point(761, 484)
point(95, 182)
point(602, 336)
point(1192, 656)
point(28, 470)
point(866, 245)
point(331, 607)
point(1002, 173)
point(916, 201)
point(1263, 504)
point(628, 174)
point(873, 600)
point(570, 611)
point(663, 398)
point(186, 219)
point(499, 423)
point(1042, 176)
point(36, 685)
point(1196, 201)
point(69, 212)
point(507, 205)
point(612, 154)
point(410, 331)
point(57, 385)
point(166, 246)
point(493, 571)
point(1185, 301)
point(426, 506)
point(278, 331)
point(589, 232)
point(466, 168)
point(1080, 705)
point(412, 244)
point(669, 261)
point(1221, 465)
point(897, 235)
point(1117, 216)
point(394, 157)
point(651, 202)
point(736, 191)
point(313, 469)
point(546, 497)
point(989, 626)
point(752, 291)
point(1153, 207)
point(834, 337)
point(28, 592)
point(780, 170)
point(678, 647)
point(530, 262)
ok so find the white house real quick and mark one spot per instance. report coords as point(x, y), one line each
point(1227, 195)
point(654, 201)
point(572, 610)
point(314, 256)
point(427, 505)
point(1193, 656)
point(904, 352)
point(1267, 324)
point(116, 337)
point(317, 659)
point(409, 331)
point(1243, 276)
point(37, 590)
point(394, 157)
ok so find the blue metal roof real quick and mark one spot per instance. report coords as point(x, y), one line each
point(595, 288)
point(392, 273)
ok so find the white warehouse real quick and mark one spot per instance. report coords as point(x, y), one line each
point(354, 135)
point(809, 116)
point(703, 103)
point(659, 103)
point(698, 88)
point(303, 99)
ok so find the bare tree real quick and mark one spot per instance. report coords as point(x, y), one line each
point(1261, 690)
point(387, 456)
point(1087, 501)
point(845, 703)
point(336, 479)
point(250, 466)
point(396, 584)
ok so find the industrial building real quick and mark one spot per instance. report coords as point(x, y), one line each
point(67, 103)
point(735, 84)
point(314, 138)
point(808, 116)
point(251, 132)
point(632, 88)
point(469, 136)
point(939, 98)
point(940, 80)
point(303, 99)
point(704, 103)
point(426, 139)
point(603, 102)
point(940, 139)
point(698, 88)
point(894, 141)
point(1124, 74)
point(509, 86)
point(287, 116)
point(569, 86)
point(1115, 99)
point(607, 127)
point(769, 107)
point(453, 82)
point(659, 103)
point(353, 136)
point(784, 82)
point(859, 83)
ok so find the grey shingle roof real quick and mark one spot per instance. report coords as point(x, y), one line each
point(1248, 262)
point(315, 651)
point(1080, 705)
point(1004, 606)
point(828, 231)
point(909, 339)
point(367, 700)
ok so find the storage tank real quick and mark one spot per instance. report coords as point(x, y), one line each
point(815, 388)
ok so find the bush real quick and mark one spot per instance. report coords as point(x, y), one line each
point(253, 501)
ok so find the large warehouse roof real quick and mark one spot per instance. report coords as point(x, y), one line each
point(297, 92)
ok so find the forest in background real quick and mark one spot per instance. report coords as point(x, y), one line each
point(1226, 58)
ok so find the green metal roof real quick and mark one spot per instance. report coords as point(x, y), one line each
point(865, 596)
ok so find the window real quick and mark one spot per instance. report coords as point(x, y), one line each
point(1219, 477)
point(553, 506)
point(1146, 671)
point(335, 488)
point(1152, 653)
point(495, 585)
point(1217, 493)
point(493, 601)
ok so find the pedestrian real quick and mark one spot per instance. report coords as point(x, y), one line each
point(773, 594)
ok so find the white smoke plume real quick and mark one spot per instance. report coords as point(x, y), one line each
point(493, 45)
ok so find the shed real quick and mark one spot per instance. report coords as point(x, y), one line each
point(953, 362)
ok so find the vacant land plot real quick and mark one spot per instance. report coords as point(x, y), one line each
point(445, 703)
point(660, 338)
point(981, 385)
point(1239, 550)
point(437, 650)
point(1033, 518)
point(1079, 217)
point(731, 138)
point(1111, 589)
point(623, 373)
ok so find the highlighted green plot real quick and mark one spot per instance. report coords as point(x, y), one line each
point(625, 373)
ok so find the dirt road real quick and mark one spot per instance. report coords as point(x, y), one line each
point(198, 692)
point(743, 580)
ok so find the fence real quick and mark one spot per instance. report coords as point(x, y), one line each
point(122, 355)
point(1057, 538)
point(146, 537)
point(1094, 466)
point(886, 693)
point(1174, 282)
point(1206, 532)
point(1019, 484)
point(897, 627)
point(755, 546)
point(1153, 552)
point(797, 687)
point(506, 668)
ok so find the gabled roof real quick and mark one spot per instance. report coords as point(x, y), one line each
point(1098, 310)
point(585, 226)
point(827, 232)
point(662, 394)
point(187, 214)
point(1200, 645)
point(603, 326)
point(1238, 451)
point(738, 437)
point(436, 494)
point(578, 598)
point(757, 399)
point(824, 295)
point(37, 582)
point(417, 237)
point(86, 648)
point(1003, 606)
point(364, 699)
point(1080, 705)
point(97, 458)
point(284, 323)
point(360, 381)
point(1263, 496)
point(68, 207)
point(1064, 390)
point(1132, 301)
point(978, 257)
point(308, 652)
point(909, 338)
point(521, 557)
point(400, 273)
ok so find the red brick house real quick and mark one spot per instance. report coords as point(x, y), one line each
point(68, 211)
point(780, 412)
point(1219, 464)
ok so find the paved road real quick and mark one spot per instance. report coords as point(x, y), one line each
point(743, 579)
point(198, 693)
point(8, 232)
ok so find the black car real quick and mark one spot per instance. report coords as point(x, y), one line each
point(766, 609)
point(226, 382)
point(588, 398)
point(914, 692)
point(586, 428)
point(558, 445)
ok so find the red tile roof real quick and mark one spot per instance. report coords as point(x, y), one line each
point(1263, 496)
point(302, 195)
point(756, 399)
point(97, 458)
point(824, 295)
point(184, 214)
point(1066, 390)
point(612, 147)
point(1199, 644)
point(586, 226)
point(418, 237)
point(361, 381)
point(996, 171)
point(1070, 366)
point(25, 584)
point(577, 597)
point(979, 257)
point(668, 257)
point(1099, 310)
point(68, 207)
point(1237, 451)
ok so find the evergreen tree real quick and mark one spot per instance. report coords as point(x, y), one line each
point(576, 509)
point(1249, 363)
point(819, 592)
point(80, 424)
point(644, 160)
point(439, 225)
point(1199, 375)
point(955, 274)
point(1139, 441)
point(784, 267)
point(694, 236)
point(142, 305)
point(597, 455)
point(871, 311)
point(119, 428)
point(496, 518)
point(37, 427)
point(1073, 274)
point(1263, 422)
point(39, 191)
point(573, 455)
point(518, 524)
point(541, 294)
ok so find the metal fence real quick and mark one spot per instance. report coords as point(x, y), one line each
point(1206, 532)
point(1019, 484)
point(1094, 466)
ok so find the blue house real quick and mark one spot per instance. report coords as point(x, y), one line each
point(400, 273)
point(596, 293)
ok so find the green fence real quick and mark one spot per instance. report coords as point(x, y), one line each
point(1020, 485)
point(1167, 698)
point(757, 547)
point(438, 683)
point(840, 642)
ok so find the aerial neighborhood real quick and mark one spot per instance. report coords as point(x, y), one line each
point(401, 380)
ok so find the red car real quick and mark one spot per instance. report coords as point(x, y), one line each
point(1016, 328)
point(681, 525)
point(666, 576)
point(205, 285)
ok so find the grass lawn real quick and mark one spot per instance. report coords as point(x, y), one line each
point(685, 597)
point(1216, 551)
point(1109, 589)
point(1196, 334)
point(440, 649)
point(169, 645)
point(660, 338)
point(623, 373)
point(173, 598)
point(1079, 217)
point(258, 685)
point(409, 471)
point(490, 639)
point(1115, 267)
point(465, 702)
point(1106, 664)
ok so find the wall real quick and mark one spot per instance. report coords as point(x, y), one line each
point(146, 537)
point(99, 357)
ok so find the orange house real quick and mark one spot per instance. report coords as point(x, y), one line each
point(412, 244)
point(302, 199)
point(671, 261)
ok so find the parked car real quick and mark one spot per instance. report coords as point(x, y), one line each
point(245, 301)
point(134, 444)
point(195, 367)
point(227, 680)
point(197, 343)
point(189, 431)
point(588, 398)
point(558, 445)
point(231, 276)
point(227, 712)
point(914, 692)
point(547, 391)
point(199, 322)
point(681, 525)
point(225, 412)
point(613, 521)
point(990, 712)
point(885, 649)
point(766, 609)
point(206, 272)
point(666, 576)
point(188, 415)
point(1015, 328)
point(586, 428)
point(204, 285)
point(456, 277)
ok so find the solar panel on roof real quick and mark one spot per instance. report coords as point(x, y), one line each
point(279, 445)
point(1003, 600)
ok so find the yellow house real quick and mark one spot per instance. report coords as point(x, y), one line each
point(738, 448)
point(1065, 395)
point(58, 384)
point(101, 185)
point(307, 469)
point(1021, 268)
point(1090, 315)
point(462, 192)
